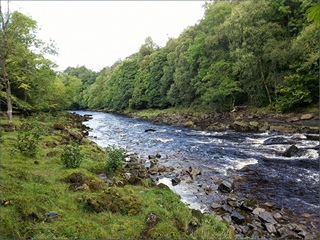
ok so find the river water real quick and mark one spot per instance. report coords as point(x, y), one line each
point(289, 182)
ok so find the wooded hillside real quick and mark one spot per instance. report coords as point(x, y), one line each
point(258, 53)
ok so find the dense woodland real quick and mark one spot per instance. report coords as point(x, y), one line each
point(259, 53)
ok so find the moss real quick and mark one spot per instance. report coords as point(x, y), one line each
point(115, 202)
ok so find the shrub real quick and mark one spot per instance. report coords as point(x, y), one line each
point(72, 156)
point(28, 138)
point(116, 157)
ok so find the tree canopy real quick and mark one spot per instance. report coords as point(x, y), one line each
point(261, 53)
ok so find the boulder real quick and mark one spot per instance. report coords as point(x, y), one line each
point(292, 151)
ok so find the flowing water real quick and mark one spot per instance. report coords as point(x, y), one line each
point(289, 182)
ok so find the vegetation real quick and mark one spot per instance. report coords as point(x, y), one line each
point(116, 157)
point(256, 53)
point(42, 199)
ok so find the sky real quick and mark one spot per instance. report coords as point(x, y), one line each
point(96, 34)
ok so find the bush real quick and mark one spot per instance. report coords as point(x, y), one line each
point(72, 156)
point(116, 157)
point(28, 138)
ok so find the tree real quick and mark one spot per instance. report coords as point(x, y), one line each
point(26, 75)
point(3, 53)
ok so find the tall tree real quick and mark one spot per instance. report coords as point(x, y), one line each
point(25, 73)
point(3, 54)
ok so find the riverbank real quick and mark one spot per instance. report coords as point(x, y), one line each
point(195, 163)
point(43, 199)
point(241, 119)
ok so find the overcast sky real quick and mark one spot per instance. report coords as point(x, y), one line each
point(98, 33)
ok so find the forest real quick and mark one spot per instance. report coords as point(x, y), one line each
point(257, 53)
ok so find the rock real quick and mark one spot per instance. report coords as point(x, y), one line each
point(58, 126)
point(267, 217)
point(270, 227)
point(215, 206)
point(258, 210)
point(306, 116)
point(291, 151)
point(75, 135)
point(149, 130)
point(286, 233)
point(250, 204)
point(277, 216)
point(254, 123)
point(163, 186)
point(227, 218)
point(226, 208)
point(175, 181)
point(226, 185)
point(162, 168)
point(293, 119)
point(237, 217)
point(269, 204)
point(52, 215)
point(194, 172)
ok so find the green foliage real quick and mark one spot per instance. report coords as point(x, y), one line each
point(28, 138)
point(314, 13)
point(72, 156)
point(115, 159)
point(239, 53)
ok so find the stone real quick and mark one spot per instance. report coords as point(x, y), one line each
point(149, 130)
point(270, 227)
point(306, 116)
point(269, 204)
point(162, 168)
point(258, 210)
point(267, 217)
point(226, 186)
point(194, 171)
point(58, 126)
point(227, 218)
point(250, 204)
point(293, 150)
point(237, 217)
point(277, 216)
point(175, 181)
point(286, 233)
point(254, 123)
point(215, 205)
point(226, 208)
point(75, 135)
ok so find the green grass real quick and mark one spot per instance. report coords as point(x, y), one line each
point(34, 186)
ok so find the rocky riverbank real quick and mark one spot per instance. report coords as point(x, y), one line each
point(242, 120)
point(248, 217)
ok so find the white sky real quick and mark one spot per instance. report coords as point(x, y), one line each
point(98, 33)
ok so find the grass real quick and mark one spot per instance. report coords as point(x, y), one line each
point(33, 187)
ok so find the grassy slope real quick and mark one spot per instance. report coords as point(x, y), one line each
point(32, 187)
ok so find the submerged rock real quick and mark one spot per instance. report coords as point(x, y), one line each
point(292, 151)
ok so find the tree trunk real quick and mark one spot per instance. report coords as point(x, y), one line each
point(264, 81)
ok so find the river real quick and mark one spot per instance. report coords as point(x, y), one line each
point(291, 183)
